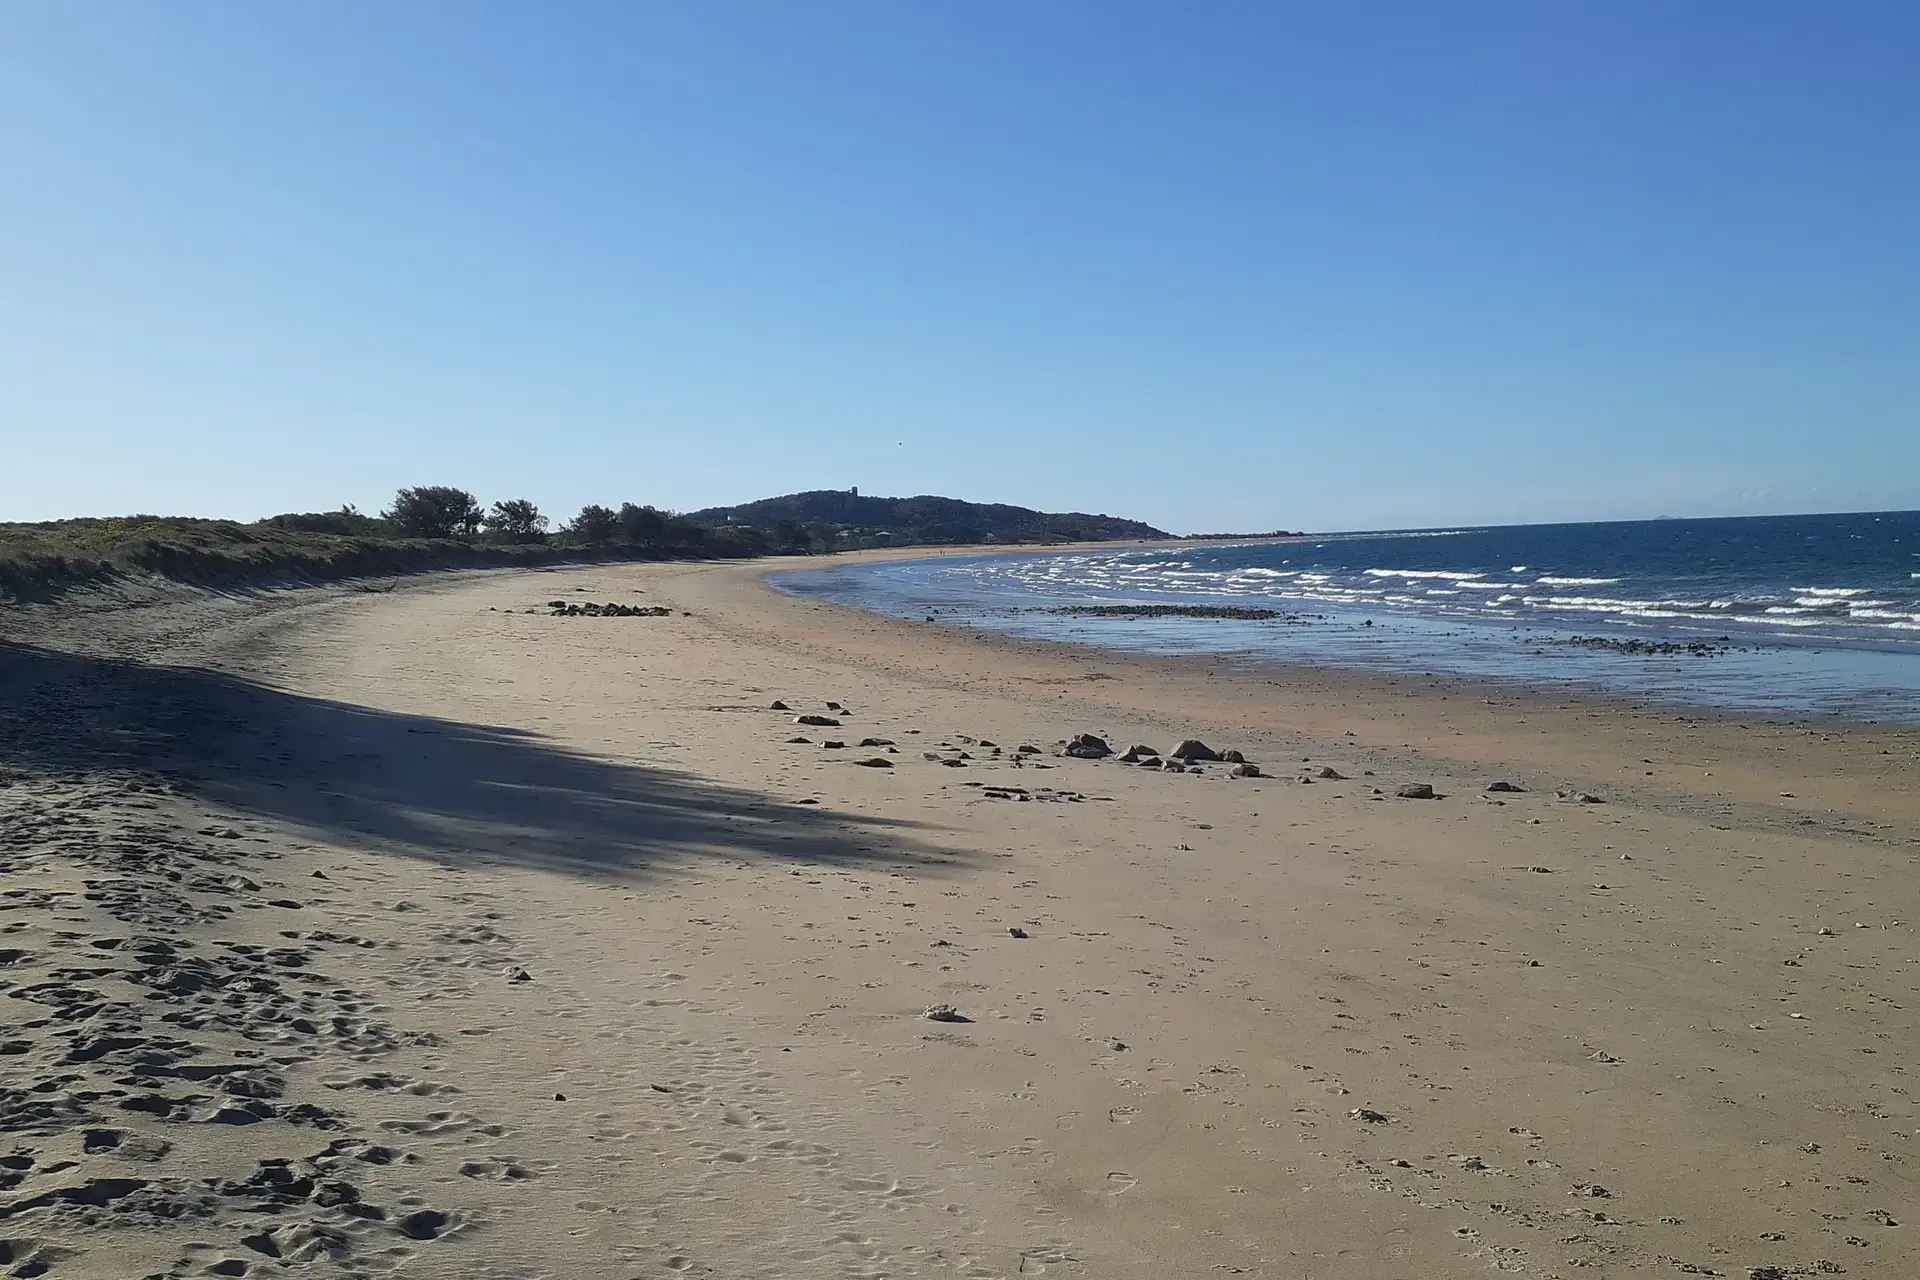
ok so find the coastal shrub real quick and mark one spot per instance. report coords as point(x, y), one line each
point(436, 511)
point(348, 522)
point(594, 525)
point(516, 520)
point(642, 526)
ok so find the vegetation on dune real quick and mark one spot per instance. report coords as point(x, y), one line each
point(858, 521)
point(430, 527)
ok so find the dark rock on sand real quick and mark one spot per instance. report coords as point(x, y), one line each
point(1016, 932)
point(1331, 774)
point(1578, 797)
point(1504, 787)
point(944, 1013)
point(1244, 770)
point(1194, 749)
point(1233, 757)
point(1138, 752)
point(1416, 791)
point(778, 705)
point(877, 762)
point(561, 609)
point(1087, 746)
point(827, 722)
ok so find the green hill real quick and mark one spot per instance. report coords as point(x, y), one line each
point(880, 521)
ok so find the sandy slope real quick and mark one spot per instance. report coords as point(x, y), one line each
point(512, 940)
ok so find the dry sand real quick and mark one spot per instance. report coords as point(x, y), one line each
point(411, 933)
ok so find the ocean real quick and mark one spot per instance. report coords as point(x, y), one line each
point(1792, 614)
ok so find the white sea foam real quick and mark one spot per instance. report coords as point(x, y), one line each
point(1839, 593)
point(1424, 573)
point(1576, 582)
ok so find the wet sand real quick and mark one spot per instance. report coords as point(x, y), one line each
point(413, 933)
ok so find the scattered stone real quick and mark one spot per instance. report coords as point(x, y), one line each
point(1027, 749)
point(1367, 1115)
point(953, 764)
point(821, 722)
point(561, 609)
point(1650, 648)
point(1416, 791)
point(1087, 746)
point(876, 762)
point(800, 740)
point(1601, 1055)
point(1245, 770)
point(944, 1013)
point(778, 705)
point(1016, 932)
point(834, 706)
point(559, 1097)
point(1193, 749)
point(1575, 796)
point(1233, 757)
point(1505, 787)
point(832, 745)
point(1240, 613)
point(519, 975)
point(1138, 752)
point(876, 742)
point(1331, 774)
point(1173, 766)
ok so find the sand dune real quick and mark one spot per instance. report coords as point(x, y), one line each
point(415, 933)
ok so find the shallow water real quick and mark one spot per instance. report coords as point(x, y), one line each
point(1804, 614)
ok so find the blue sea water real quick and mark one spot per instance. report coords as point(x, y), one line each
point(1804, 614)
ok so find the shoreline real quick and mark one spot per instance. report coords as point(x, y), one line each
point(1582, 687)
point(610, 976)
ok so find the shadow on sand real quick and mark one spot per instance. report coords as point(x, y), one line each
point(439, 789)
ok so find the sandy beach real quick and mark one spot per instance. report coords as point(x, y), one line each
point(421, 932)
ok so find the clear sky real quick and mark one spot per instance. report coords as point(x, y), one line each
point(1216, 266)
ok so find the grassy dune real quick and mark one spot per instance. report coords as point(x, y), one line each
point(40, 561)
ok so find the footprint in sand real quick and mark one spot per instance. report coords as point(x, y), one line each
point(496, 1171)
point(387, 1082)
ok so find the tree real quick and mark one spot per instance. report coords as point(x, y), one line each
point(642, 525)
point(594, 524)
point(516, 520)
point(435, 511)
point(823, 537)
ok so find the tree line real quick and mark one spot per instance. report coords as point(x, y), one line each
point(446, 511)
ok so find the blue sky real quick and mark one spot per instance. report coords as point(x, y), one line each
point(1218, 266)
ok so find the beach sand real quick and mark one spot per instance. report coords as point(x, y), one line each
point(414, 933)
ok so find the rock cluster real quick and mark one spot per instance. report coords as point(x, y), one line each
point(569, 609)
